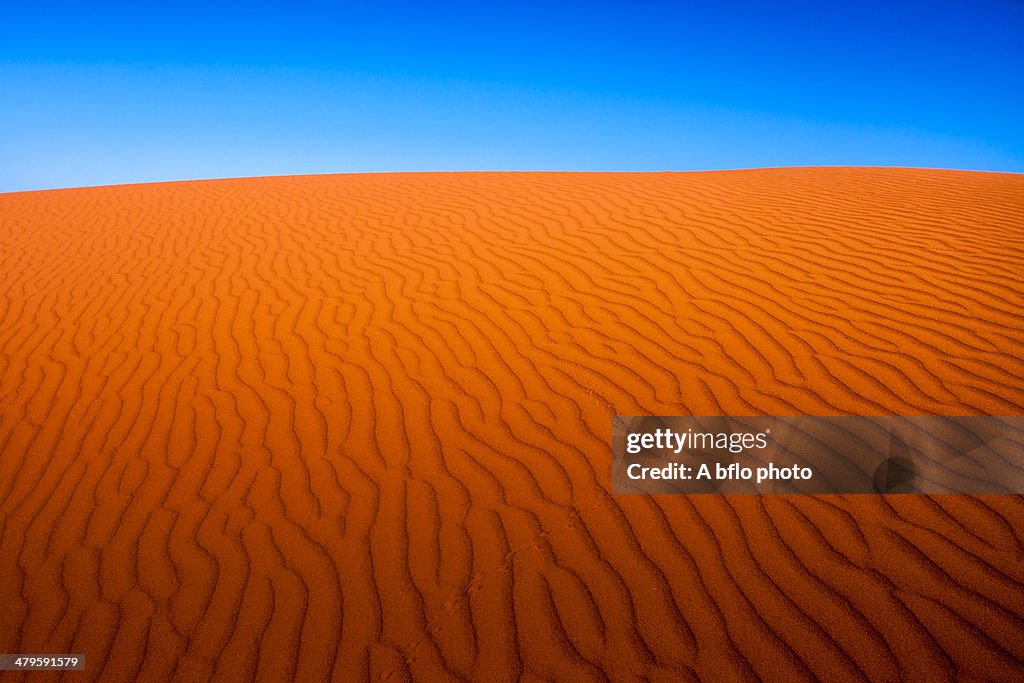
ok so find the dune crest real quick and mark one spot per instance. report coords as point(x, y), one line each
point(358, 426)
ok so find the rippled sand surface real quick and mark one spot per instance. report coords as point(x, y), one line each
point(358, 427)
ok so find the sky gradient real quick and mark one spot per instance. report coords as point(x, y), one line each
point(94, 94)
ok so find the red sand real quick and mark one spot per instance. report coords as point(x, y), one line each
point(358, 426)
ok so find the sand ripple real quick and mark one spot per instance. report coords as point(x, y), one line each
point(358, 426)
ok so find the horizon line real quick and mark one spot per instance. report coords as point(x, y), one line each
point(510, 171)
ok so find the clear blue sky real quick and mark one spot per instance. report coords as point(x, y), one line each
point(101, 93)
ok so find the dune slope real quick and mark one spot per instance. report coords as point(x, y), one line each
point(358, 426)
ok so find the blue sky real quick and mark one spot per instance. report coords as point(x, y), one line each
point(103, 93)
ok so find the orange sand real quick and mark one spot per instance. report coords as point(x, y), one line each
point(358, 426)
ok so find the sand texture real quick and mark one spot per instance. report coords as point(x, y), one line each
point(358, 427)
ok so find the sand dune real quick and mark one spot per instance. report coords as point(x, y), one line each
point(358, 426)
